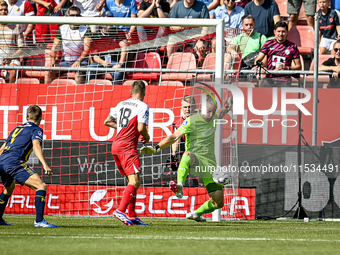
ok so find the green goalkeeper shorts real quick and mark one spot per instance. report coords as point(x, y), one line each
point(210, 185)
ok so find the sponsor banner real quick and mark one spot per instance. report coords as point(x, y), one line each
point(76, 113)
point(151, 202)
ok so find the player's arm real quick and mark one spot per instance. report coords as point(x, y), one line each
point(39, 153)
point(222, 112)
point(143, 131)
point(110, 122)
point(297, 63)
point(171, 139)
point(57, 43)
point(232, 48)
point(2, 148)
point(166, 142)
point(276, 18)
point(338, 31)
point(174, 147)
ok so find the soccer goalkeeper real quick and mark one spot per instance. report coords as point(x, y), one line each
point(199, 130)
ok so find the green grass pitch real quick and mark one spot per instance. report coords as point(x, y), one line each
point(107, 235)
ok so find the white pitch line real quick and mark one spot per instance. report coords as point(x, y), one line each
point(146, 237)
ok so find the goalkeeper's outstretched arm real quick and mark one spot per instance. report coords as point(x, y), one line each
point(166, 142)
point(227, 107)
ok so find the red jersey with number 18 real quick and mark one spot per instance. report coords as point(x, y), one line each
point(128, 114)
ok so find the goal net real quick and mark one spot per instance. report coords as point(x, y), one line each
point(82, 71)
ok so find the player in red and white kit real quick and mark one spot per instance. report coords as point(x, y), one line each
point(130, 118)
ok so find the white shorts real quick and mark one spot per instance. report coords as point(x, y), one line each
point(327, 43)
point(13, 62)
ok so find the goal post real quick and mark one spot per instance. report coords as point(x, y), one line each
point(78, 146)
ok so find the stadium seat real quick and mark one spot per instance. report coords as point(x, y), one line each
point(171, 83)
point(323, 79)
point(209, 63)
point(303, 37)
point(282, 4)
point(36, 61)
point(146, 60)
point(100, 82)
point(130, 82)
point(28, 80)
point(245, 85)
point(61, 81)
point(183, 61)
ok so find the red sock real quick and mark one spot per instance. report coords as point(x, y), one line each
point(132, 205)
point(129, 193)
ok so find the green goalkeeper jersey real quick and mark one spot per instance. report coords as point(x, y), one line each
point(200, 138)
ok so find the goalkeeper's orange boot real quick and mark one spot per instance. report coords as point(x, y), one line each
point(177, 189)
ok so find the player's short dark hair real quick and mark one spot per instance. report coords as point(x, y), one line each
point(73, 8)
point(248, 16)
point(34, 113)
point(138, 87)
point(281, 24)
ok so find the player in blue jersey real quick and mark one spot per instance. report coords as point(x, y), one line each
point(13, 155)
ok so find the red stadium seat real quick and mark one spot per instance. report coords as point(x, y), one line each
point(130, 82)
point(28, 80)
point(36, 61)
point(303, 37)
point(183, 61)
point(100, 82)
point(323, 79)
point(209, 63)
point(282, 4)
point(171, 83)
point(64, 82)
point(146, 60)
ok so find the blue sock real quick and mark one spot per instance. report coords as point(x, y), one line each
point(40, 204)
point(3, 202)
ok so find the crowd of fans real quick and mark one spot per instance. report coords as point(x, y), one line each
point(83, 45)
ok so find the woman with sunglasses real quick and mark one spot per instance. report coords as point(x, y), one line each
point(333, 65)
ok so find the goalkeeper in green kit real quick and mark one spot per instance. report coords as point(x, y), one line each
point(199, 130)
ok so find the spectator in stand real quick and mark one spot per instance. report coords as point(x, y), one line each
point(329, 26)
point(211, 4)
point(75, 42)
point(90, 8)
point(45, 33)
point(242, 3)
point(232, 15)
point(250, 43)
point(122, 9)
point(11, 41)
point(266, 14)
point(189, 9)
point(333, 65)
point(279, 54)
point(293, 9)
point(154, 9)
point(22, 8)
point(108, 38)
